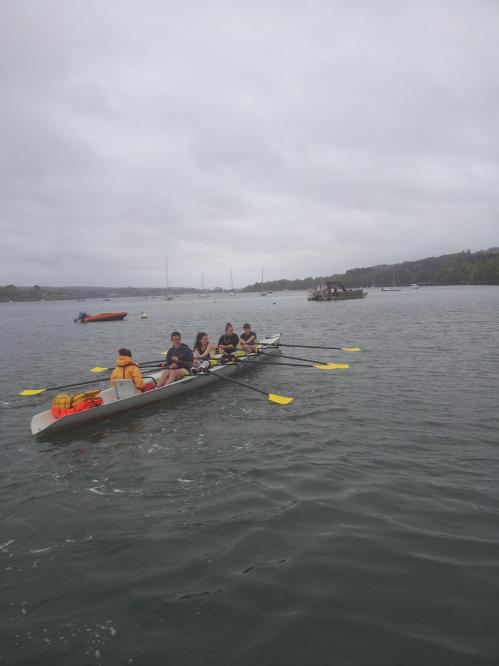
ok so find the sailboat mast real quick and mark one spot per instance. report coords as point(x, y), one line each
point(167, 283)
point(262, 291)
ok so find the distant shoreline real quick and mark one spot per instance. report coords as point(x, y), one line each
point(50, 297)
point(460, 269)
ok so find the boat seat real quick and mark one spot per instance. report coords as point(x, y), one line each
point(124, 388)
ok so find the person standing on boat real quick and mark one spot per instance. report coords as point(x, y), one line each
point(248, 338)
point(228, 342)
point(127, 369)
point(178, 361)
point(203, 348)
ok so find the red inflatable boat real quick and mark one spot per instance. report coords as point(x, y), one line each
point(85, 318)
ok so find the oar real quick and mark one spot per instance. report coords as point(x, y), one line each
point(140, 365)
point(331, 366)
point(325, 365)
point(313, 360)
point(319, 366)
point(62, 386)
point(345, 349)
point(273, 397)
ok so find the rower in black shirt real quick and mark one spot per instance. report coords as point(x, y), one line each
point(229, 341)
point(248, 338)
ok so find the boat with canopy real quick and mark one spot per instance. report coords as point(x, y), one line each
point(334, 291)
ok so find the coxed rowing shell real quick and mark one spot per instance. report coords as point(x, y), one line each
point(45, 421)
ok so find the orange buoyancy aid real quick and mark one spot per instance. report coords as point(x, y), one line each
point(127, 369)
point(65, 403)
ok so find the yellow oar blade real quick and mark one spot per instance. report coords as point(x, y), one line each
point(351, 349)
point(32, 391)
point(164, 353)
point(98, 369)
point(331, 366)
point(280, 399)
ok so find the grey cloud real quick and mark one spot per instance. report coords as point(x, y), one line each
point(227, 135)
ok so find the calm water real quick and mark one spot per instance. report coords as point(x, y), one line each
point(359, 525)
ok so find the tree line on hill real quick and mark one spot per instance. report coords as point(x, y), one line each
point(11, 292)
point(461, 268)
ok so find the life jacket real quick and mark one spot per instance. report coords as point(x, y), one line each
point(65, 403)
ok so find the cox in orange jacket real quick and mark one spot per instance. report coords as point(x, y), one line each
point(127, 369)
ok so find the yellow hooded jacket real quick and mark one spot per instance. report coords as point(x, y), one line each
point(126, 369)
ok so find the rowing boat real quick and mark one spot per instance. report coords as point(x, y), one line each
point(45, 422)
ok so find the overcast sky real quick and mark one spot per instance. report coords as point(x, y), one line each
point(304, 136)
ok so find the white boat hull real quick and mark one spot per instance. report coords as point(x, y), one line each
point(45, 421)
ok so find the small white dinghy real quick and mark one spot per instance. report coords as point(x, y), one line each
point(124, 397)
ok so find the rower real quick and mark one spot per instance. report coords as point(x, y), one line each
point(248, 338)
point(228, 342)
point(203, 348)
point(178, 361)
point(127, 369)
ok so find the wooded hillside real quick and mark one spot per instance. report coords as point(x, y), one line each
point(462, 268)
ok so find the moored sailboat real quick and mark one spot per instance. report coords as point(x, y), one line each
point(232, 292)
point(262, 291)
point(168, 296)
point(394, 287)
point(203, 294)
